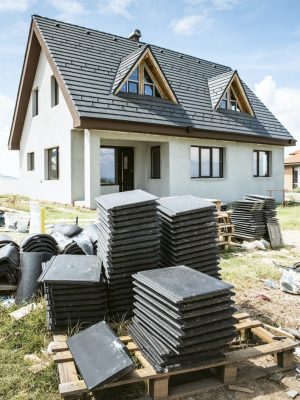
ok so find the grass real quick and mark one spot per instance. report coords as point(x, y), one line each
point(52, 210)
point(18, 338)
point(289, 216)
point(245, 268)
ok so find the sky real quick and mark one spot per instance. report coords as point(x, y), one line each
point(259, 38)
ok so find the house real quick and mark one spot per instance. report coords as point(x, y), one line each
point(98, 113)
point(292, 171)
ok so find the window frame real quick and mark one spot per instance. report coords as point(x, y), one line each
point(257, 175)
point(35, 102)
point(221, 162)
point(229, 100)
point(141, 82)
point(30, 161)
point(54, 92)
point(49, 175)
point(152, 174)
point(115, 148)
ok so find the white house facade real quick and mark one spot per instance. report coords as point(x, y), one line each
point(76, 144)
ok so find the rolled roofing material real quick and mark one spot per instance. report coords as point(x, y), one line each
point(30, 270)
point(99, 355)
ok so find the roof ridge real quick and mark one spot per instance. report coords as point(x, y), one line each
point(126, 38)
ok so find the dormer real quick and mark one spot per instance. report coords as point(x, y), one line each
point(140, 73)
point(227, 93)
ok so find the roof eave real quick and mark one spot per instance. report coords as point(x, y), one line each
point(177, 131)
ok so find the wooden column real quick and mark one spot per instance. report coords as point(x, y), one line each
point(227, 374)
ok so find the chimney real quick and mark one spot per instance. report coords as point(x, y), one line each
point(135, 36)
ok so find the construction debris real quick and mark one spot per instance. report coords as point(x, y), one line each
point(22, 312)
point(189, 233)
point(240, 389)
point(75, 291)
point(181, 317)
point(292, 394)
point(99, 355)
point(128, 242)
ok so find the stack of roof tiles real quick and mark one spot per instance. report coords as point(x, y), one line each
point(128, 242)
point(248, 219)
point(75, 291)
point(189, 233)
point(269, 208)
point(181, 317)
point(41, 243)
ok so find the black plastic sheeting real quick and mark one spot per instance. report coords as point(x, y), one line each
point(9, 264)
point(30, 271)
point(99, 355)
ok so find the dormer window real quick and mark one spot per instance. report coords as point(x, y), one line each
point(132, 85)
point(141, 82)
point(140, 73)
point(229, 101)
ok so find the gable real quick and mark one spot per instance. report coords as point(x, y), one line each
point(145, 62)
point(228, 86)
point(86, 62)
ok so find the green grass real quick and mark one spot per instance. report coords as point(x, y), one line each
point(17, 338)
point(52, 210)
point(289, 216)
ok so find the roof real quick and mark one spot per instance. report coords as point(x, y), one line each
point(293, 158)
point(86, 63)
point(217, 85)
point(126, 64)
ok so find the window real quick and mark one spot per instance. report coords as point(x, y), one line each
point(30, 161)
point(261, 163)
point(54, 92)
point(155, 162)
point(52, 163)
point(108, 166)
point(206, 162)
point(141, 82)
point(35, 102)
point(229, 101)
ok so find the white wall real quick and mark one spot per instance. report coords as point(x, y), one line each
point(175, 167)
point(50, 128)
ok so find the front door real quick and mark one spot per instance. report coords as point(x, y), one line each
point(126, 168)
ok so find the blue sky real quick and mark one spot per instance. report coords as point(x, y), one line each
point(259, 38)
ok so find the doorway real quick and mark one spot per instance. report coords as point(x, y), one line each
point(117, 167)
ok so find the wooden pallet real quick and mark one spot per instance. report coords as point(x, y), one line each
point(6, 287)
point(159, 384)
point(225, 228)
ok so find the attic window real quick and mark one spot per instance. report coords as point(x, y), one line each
point(141, 82)
point(229, 101)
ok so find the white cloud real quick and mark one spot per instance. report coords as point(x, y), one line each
point(116, 7)
point(15, 5)
point(68, 9)
point(8, 159)
point(192, 24)
point(283, 102)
